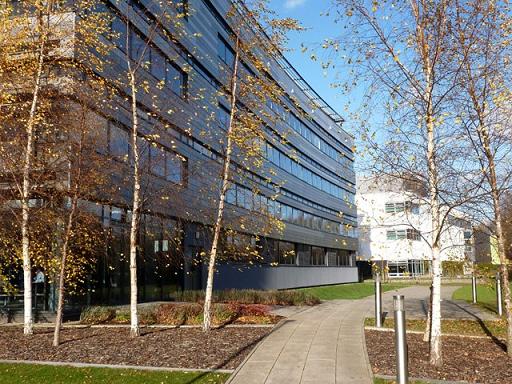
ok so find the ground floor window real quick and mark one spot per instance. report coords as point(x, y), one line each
point(318, 256)
point(407, 268)
point(286, 253)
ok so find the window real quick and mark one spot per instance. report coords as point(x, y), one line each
point(158, 65)
point(298, 217)
point(285, 162)
point(176, 80)
point(223, 117)
point(395, 207)
point(317, 256)
point(240, 197)
point(304, 254)
point(139, 9)
point(140, 52)
point(116, 214)
point(286, 253)
point(143, 147)
point(413, 234)
point(400, 234)
point(225, 52)
point(286, 212)
point(174, 168)
point(100, 136)
point(338, 257)
point(402, 207)
point(308, 220)
point(158, 162)
point(394, 235)
point(119, 146)
point(231, 195)
point(118, 27)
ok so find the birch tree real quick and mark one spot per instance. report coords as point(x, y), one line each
point(29, 31)
point(40, 51)
point(256, 36)
point(44, 12)
point(85, 168)
point(163, 21)
point(400, 50)
point(482, 35)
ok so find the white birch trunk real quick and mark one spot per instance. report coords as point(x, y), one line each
point(435, 316)
point(426, 334)
point(134, 319)
point(26, 189)
point(224, 188)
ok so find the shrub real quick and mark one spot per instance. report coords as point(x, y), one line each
point(97, 315)
point(189, 296)
point(251, 296)
point(486, 271)
point(169, 315)
point(177, 314)
point(253, 310)
point(122, 316)
point(453, 268)
point(147, 315)
point(222, 314)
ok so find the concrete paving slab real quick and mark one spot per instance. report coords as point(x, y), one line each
point(325, 344)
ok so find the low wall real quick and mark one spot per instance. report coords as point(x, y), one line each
point(282, 277)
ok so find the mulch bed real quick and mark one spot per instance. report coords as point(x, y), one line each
point(464, 359)
point(181, 348)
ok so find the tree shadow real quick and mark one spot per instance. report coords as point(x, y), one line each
point(486, 330)
point(243, 349)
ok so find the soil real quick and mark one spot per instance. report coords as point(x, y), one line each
point(481, 360)
point(178, 348)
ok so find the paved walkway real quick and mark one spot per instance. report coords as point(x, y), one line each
point(416, 305)
point(325, 344)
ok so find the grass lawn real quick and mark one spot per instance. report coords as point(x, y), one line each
point(486, 296)
point(497, 328)
point(353, 291)
point(45, 374)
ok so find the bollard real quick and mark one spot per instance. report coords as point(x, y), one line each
point(378, 301)
point(473, 286)
point(499, 301)
point(402, 370)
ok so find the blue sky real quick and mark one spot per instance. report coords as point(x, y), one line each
point(311, 14)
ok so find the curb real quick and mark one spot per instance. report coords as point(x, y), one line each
point(371, 328)
point(423, 380)
point(159, 326)
point(365, 349)
point(114, 366)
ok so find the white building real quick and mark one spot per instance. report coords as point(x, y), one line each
point(395, 227)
